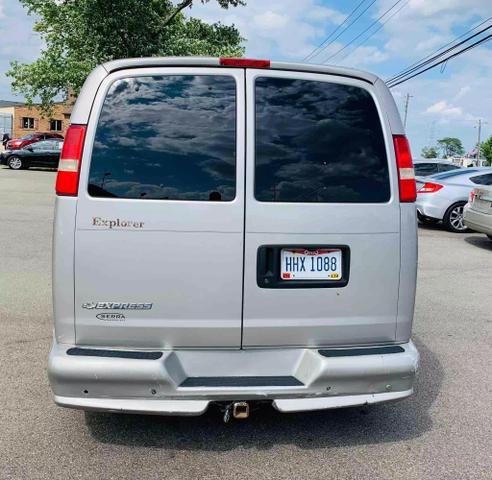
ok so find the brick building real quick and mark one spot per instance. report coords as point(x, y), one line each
point(17, 119)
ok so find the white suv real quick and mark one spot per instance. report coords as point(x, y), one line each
point(233, 230)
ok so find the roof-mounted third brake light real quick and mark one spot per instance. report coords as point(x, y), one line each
point(244, 62)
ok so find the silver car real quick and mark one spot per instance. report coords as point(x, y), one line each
point(478, 211)
point(230, 231)
point(442, 197)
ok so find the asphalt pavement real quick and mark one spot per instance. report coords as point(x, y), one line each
point(442, 432)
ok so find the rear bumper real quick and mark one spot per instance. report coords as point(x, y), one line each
point(185, 382)
point(478, 221)
point(432, 205)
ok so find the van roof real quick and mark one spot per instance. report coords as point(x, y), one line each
point(116, 65)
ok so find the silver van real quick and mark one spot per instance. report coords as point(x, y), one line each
point(230, 231)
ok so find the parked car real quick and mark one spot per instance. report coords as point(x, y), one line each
point(427, 167)
point(478, 210)
point(442, 197)
point(29, 138)
point(39, 154)
point(254, 239)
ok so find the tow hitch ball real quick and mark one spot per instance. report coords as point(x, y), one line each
point(238, 410)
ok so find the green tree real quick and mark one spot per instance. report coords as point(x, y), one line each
point(80, 34)
point(450, 147)
point(486, 150)
point(429, 152)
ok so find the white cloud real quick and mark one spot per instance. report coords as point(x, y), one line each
point(279, 29)
point(319, 13)
point(443, 108)
point(462, 92)
point(19, 42)
point(270, 20)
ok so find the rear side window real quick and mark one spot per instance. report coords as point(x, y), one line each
point(423, 169)
point(167, 137)
point(318, 142)
point(482, 179)
point(444, 167)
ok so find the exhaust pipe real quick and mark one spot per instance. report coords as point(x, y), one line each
point(240, 410)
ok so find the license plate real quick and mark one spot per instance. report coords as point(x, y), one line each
point(306, 264)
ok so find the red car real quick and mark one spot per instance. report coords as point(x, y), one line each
point(29, 138)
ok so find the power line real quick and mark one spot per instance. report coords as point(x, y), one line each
point(363, 31)
point(449, 43)
point(376, 31)
point(314, 51)
point(397, 80)
point(347, 27)
point(434, 55)
point(476, 44)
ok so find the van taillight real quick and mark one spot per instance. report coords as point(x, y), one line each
point(406, 174)
point(67, 180)
point(244, 62)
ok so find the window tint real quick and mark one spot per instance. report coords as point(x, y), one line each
point(318, 142)
point(167, 137)
point(423, 169)
point(40, 145)
point(444, 167)
point(454, 173)
point(482, 179)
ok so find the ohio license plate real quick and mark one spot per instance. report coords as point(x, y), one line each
point(307, 264)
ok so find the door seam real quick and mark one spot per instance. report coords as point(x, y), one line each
point(245, 149)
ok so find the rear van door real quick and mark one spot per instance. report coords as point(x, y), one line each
point(322, 235)
point(160, 213)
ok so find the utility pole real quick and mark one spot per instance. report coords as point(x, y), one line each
point(479, 125)
point(478, 142)
point(407, 99)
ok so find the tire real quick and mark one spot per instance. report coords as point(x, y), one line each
point(426, 220)
point(15, 163)
point(453, 219)
point(489, 237)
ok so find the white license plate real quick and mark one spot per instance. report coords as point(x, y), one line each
point(306, 264)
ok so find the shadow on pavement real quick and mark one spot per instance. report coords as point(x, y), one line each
point(32, 169)
point(267, 428)
point(431, 226)
point(480, 241)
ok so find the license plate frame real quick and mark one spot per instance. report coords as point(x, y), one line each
point(323, 264)
point(268, 271)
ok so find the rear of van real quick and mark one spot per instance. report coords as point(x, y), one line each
point(233, 230)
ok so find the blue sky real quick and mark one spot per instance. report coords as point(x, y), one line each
point(442, 104)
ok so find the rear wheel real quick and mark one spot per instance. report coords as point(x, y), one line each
point(15, 163)
point(454, 218)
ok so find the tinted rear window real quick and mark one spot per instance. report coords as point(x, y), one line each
point(422, 169)
point(444, 167)
point(318, 142)
point(485, 179)
point(167, 137)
